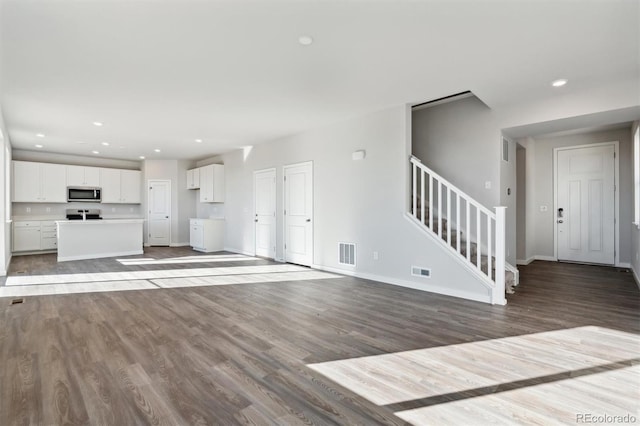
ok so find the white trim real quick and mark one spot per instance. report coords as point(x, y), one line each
point(29, 253)
point(238, 251)
point(616, 177)
point(423, 285)
point(525, 261)
point(178, 244)
point(624, 265)
point(99, 256)
point(545, 258)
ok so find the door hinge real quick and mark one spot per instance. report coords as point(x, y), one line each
point(285, 212)
point(285, 246)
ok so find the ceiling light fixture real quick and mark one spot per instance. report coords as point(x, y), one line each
point(96, 152)
point(560, 82)
point(39, 146)
point(141, 157)
point(156, 150)
point(40, 135)
point(198, 140)
point(81, 143)
point(105, 143)
point(97, 123)
point(305, 40)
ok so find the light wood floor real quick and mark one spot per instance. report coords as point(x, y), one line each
point(337, 350)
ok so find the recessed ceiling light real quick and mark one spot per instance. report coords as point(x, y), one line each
point(156, 150)
point(96, 152)
point(198, 140)
point(105, 143)
point(97, 123)
point(39, 146)
point(559, 83)
point(81, 143)
point(305, 40)
point(141, 157)
point(40, 135)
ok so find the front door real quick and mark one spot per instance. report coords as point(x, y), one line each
point(159, 212)
point(585, 210)
point(265, 215)
point(298, 213)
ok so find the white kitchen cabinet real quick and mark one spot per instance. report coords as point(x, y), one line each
point(83, 176)
point(48, 235)
point(121, 186)
point(39, 182)
point(206, 235)
point(212, 183)
point(193, 179)
point(26, 236)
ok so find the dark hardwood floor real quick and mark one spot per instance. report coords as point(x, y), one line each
point(238, 354)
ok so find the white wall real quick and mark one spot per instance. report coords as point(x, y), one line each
point(5, 197)
point(363, 202)
point(635, 230)
point(460, 140)
point(542, 157)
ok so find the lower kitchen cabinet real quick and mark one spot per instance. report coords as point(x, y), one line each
point(206, 235)
point(34, 235)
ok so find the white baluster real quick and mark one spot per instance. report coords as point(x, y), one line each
point(478, 239)
point(468, 230)
point(422, 196)
point(448, 216)
point(489, 254)
point(458, 225)
point(414, 211)
point(439, 208)
point(431, 202)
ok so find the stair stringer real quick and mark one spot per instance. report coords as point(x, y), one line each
point(462, 261)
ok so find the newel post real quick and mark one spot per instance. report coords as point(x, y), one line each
point(497, 296)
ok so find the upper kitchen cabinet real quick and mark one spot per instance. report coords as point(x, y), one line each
point(212, 183)
point(83, 176)
point(193, 179)
point(121, 186)
point(39, 182)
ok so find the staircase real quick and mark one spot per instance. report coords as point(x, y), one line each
point(471, 232)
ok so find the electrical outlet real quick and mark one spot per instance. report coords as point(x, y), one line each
point(487, 185)
point(113, 209)
point(131, 209)
point(48, 209)
point(215, 210)
point(28, 209)
point(375, 255)
point(543, 208)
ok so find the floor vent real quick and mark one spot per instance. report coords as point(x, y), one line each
point(347, 254)
point(417, 271)
point(17, 301)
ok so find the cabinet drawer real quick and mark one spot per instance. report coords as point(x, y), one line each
point(49, 243)
point(196, 222)
point(48, 224)
point(27, 224)
point(49, 234)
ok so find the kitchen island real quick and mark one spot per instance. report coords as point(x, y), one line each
point(93, 239)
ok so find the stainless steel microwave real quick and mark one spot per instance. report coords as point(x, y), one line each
point(77, 193)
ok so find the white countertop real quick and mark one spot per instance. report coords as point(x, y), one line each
point(99, 221)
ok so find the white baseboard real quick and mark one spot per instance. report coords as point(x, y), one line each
point(525, 261)
point(424, 286)
point(545, 258)
point(234, 250)
point(178, 244)
point(3, 272)
point(623, 265)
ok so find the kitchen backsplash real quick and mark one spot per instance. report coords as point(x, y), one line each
point(210, 210)
point(59, 210)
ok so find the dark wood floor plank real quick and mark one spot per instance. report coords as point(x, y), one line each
point(238, 354)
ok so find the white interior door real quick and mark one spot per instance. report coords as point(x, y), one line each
point(585, 210)
point(298, 213)
point(159, 220)
point(265, 215)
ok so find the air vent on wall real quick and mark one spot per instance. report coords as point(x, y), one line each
point(347, 254)
point(417, 271)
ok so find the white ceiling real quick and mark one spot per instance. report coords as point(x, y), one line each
point(160, 74)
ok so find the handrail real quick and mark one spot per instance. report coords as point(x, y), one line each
point(494, 226)
point(439, 178)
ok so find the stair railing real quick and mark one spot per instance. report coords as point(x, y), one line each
point(435, 199)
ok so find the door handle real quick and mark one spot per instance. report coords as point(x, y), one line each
point(255, 220)
point(166, 217)
point(308, 220)
point(560, 212)
point(560, 221)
